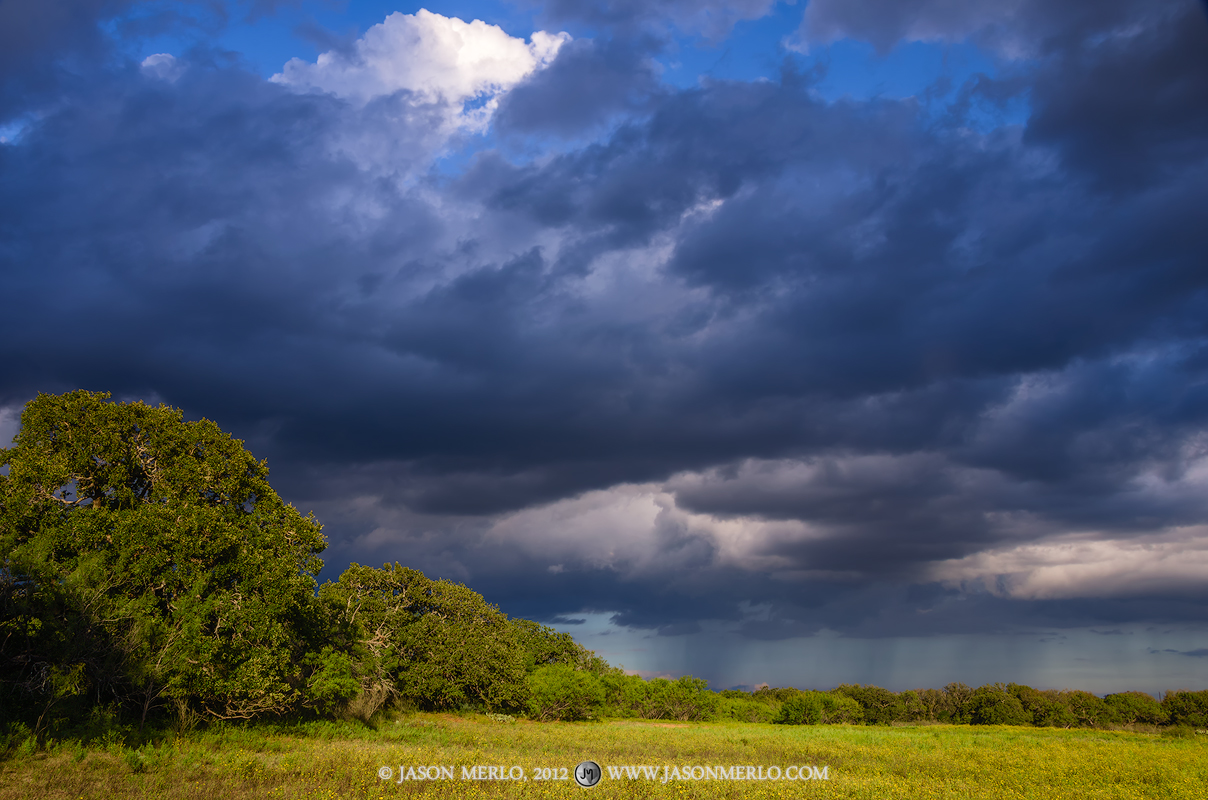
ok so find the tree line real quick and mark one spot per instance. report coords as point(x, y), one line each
point(148, 571)
point(559, 692)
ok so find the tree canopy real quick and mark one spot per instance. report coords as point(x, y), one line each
point(150, 557)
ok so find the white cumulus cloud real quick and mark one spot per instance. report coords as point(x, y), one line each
point(437, 58)
point(415, 81)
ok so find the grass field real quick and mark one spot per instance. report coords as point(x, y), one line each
point(328, 760)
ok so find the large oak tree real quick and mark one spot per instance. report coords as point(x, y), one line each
point(146, 559)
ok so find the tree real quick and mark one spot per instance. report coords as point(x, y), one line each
point(544, 645)
point(431, 643)
point(1088, 710)
point(1043, 708)
point(1132, 707)
point(880, 706)
point(152, 555)
point(956, 695)
point(1186, 708)
point(992, 704)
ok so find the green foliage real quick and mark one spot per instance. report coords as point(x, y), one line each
point(333, 681)
point(813, 708)
point(151, 553)
point(956, 695)
point(935, 705)
point(1132, 707)
point(1187, 708)
point(745, 707)
point(543, 645)
point(769, 694)
point(803, 708)
point(684, 699)
point(911, 707)
point(1043, 708)
point(432, 644)
point(992, 704)
point(880, 706)
point(1088, 710)
point(560, 692)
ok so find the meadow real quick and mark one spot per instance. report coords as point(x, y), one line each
point(343, 759)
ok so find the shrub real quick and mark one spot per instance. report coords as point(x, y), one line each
point(770, 695)
point(743, 707)
point(558, 691)
point(684, 699)
point(803, 708)
point(813, 708)
point(431, 643)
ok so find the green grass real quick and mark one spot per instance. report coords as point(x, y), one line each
point(325, 760)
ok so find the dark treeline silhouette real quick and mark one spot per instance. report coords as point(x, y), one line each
point(150, 574)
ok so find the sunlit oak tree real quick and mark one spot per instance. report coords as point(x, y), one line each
point(147, 562)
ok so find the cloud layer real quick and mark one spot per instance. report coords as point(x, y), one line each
point(514, 310)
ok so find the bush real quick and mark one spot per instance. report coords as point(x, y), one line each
point(804, 708)
point(558, 691)
point(743, 707)
point(769, 695)
point(813, 708)
point(684, 699)
point(434, 644)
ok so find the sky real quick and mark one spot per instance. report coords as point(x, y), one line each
point(769, 342)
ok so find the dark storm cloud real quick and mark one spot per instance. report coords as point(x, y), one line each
point(1015, 27)
point(33, 30)
point(590, 82)
point(902, 341)
point(1128, 110)
point(36, 34)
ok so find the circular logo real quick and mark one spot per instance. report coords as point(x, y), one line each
point(588, 773)
point(385, 773)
